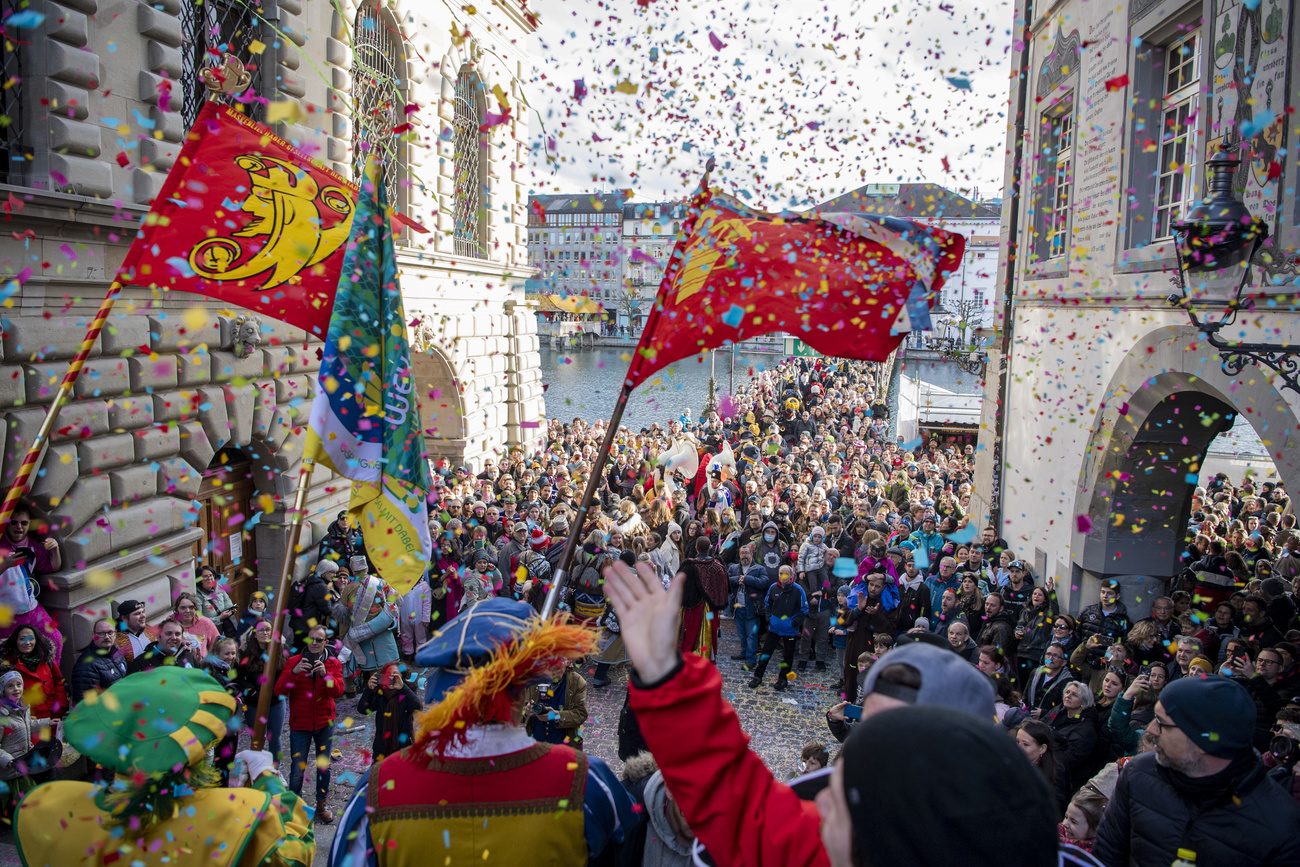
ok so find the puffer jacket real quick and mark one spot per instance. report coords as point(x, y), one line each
point(812, 555)
point(1240, 818)
point(17, 729)
point(1115, 625)
point(95, 671)
point(311, 697)
point(786, 609)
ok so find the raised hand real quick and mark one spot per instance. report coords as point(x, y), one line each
point(647, 616)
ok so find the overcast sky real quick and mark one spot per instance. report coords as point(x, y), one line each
point(799, 101)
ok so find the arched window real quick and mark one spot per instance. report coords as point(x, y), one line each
point(469, 166)
point(211, 29)
point(377, 89)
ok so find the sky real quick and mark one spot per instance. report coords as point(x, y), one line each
point(798, 101)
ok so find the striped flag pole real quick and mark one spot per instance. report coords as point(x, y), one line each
point(23, 481)
point(230, 78)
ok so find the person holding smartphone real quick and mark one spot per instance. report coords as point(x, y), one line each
point(215, 603)
point(312, 680)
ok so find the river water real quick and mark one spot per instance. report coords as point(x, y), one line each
point(585, 384)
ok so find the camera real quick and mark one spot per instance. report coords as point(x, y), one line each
point(1285, 749)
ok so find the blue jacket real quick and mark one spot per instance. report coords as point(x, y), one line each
point(938, 587)
point(745, 599)
point(930, 543)
point(786, 609)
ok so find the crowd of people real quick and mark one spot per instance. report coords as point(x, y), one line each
point(792, 516)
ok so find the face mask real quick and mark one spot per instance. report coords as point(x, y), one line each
point(765, 512)
point(771, 537)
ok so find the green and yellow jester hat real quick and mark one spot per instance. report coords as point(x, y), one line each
point(153, 722)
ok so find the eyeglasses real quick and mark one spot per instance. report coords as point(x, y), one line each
point(109, 632)
point(315, 641)
point(1062, 626)
point(1056, 656)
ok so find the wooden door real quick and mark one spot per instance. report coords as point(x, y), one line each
point(225, 507)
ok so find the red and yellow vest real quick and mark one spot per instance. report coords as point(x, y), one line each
point(524, 807)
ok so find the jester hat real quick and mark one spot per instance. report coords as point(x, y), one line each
point(483, 658)
point(151, 722)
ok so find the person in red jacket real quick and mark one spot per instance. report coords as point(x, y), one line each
point(312, 680)
point(888, 798)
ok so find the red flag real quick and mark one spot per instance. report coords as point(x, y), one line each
point(848, 285)
point(246, 218)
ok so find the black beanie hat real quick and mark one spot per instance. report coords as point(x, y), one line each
point(905, 809)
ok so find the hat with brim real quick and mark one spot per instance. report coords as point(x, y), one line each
point(482, 658)
point(151, 722)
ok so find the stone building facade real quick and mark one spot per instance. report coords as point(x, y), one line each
point(182, 443)
point(1101, 398)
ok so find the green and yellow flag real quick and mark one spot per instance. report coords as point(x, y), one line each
point(365, 418)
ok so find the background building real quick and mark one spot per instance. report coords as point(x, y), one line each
point(1103, 399)
point(573, 243)
point(649, 235)
point(966, 300)
point(181, 446)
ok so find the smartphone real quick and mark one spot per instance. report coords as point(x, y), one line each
point(853, 711)
point(1144, 670)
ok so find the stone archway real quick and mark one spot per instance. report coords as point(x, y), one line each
point(442, 408)
point(1167, 400)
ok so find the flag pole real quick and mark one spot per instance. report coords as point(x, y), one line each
point(217, 82)
point(22, 481)
point(598, 467)
point(267, 692)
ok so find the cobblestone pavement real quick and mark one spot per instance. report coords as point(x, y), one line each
point(778, 724)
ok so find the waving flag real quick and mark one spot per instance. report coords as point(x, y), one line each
point(365, 418)
point(247, 218)
point(848, 285)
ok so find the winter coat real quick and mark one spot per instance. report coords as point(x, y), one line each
point(95, 671)
point(394, 712)
point(812, 555)
point(17, 729)
point(662, 848)
point(786, 609)
point(1037, 624)
point(1237, 817)
point(342, 545)
point(913, 602)
point(928, 545)
point(1043, 692)
point(567, 713)
point(311, 696)
point(1075, 739)
point(43, 689)
point(1262, 633)
point(212, 604)
point(309, 605)
point(1093, 621)
point(747, 599)
point(370, 633)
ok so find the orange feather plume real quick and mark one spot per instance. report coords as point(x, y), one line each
point(488, 692)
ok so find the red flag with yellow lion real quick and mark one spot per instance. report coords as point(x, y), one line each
point(247, 218)
point(849, 285)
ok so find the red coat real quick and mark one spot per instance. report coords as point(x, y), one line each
point(311, 697)
point(736, 808)
point(45, 690)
